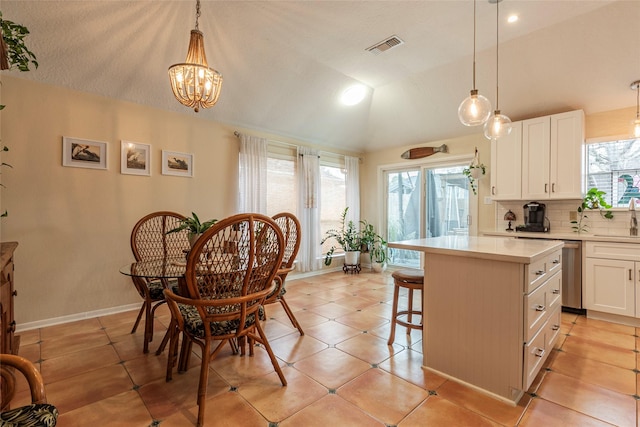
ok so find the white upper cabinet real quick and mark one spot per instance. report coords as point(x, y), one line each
point(552, 156)
point(506, 173)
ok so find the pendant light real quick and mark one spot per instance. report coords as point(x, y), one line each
point(194, 84)
point(498, 125)
point(475, 109)
point(636, 123)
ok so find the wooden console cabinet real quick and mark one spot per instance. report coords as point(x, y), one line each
point(8, 341)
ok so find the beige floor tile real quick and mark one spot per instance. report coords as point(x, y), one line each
point(236, 369)
point(543, 413)
point(407, 364)
point(480, 403)
point(331, 410)
point(383, 396)
point(116, 411)
point(30, 352)
point(275, 328)
point(607, 326)
point(604, 336)
point(368, 347)
point(84, 389)
point(332, 332)
point(597, 402)
point(29, 337)
point(331, 310)
point(80, 341)
point(362, 320)
point(72, 328)
point(440, 412)
point(294, 347)
point(594, 372)
point(276, 402)
point(71, 364)
point(593, 350)
point(332, 367)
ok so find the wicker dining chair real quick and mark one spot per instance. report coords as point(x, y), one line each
point(290, 227)
point(149, 240)
point(230, 271)
point(39, 412)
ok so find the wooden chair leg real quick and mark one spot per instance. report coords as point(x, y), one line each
point(172, 354)
point(289, 312)
point(267, 347)
point(135, 325)
point(394, 314)
point(202, 386)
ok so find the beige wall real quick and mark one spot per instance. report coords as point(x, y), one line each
point(73, 224)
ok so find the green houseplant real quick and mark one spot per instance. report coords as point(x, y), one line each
point(195, 227)
point(593, 200)
point(348, 237)
point(473, 173)
point(378, 255)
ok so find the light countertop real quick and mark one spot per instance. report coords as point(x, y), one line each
point(524, 251)
point(565, 236)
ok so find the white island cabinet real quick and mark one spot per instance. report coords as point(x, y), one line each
point(491, 309)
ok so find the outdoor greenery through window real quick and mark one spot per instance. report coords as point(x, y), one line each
point(614, 167)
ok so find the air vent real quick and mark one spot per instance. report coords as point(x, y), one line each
point(385, 45)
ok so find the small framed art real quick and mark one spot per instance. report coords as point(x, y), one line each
point(84, 153)
point(135, 158)
point(178, 164)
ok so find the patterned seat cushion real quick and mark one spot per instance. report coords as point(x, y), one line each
point(194, 325)
point(34, 415)
point(156, 288)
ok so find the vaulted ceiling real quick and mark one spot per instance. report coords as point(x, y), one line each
point(285, 63)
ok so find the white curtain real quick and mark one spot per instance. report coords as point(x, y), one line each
point(352, 166)
point(253, 174)
point(309, 209)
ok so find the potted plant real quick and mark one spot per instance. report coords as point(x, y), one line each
point(378, 255)
point(594, 199)
point(474, 172)
point(347, 237)
point(195, 227)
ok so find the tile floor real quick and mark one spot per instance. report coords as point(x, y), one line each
point(340, 372)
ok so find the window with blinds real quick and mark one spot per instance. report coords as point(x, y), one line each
point(614, 167)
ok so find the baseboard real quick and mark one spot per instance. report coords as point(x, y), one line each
point(74, 317)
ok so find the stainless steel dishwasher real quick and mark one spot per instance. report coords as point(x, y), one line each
point(572, 276)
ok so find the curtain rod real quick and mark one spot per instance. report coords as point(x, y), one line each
point(237, 134)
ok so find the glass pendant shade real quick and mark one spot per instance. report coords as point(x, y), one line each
point(474, 110)
point(497, 126)
point(636, 127)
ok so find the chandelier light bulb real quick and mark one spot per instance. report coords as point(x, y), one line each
point(497, 126)
point(474, 110)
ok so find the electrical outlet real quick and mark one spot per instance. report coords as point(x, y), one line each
point(487, 200)
point(573, 216)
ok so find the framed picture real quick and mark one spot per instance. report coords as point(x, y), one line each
point(84, 153)
point(135, 158)
point(178, 164)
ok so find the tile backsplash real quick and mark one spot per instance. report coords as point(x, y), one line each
point(558, 213)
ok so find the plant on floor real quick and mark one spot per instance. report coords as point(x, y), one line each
point(593, 200)
point(348, 237)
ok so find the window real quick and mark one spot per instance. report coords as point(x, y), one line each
point(281, 185)
point(333, 197)
point(614, 167)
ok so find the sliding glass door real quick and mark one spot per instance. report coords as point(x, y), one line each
point(427, 201)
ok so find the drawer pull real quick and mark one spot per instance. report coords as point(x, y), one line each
point(540, 307)
point(14, 293)
point(546, 186)
point(630, 273)
point(555, 291)
point(540, 272)
point(556, 261)
point(555, 327)
point(539, 352)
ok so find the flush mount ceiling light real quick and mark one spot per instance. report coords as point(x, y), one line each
point(194, 84)
point(353, 95)
point(498, 125)
point(475, 109)
point(636, 123)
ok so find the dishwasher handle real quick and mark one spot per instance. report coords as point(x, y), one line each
point(571, 245)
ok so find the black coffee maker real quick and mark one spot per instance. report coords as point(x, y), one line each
point(534, 218)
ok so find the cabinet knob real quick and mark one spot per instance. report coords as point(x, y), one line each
point(539, 352)
point(556, 291)
point(555, 327)
point(12, 326)
point(540, 307)
point(539, 272)
point(556, 261)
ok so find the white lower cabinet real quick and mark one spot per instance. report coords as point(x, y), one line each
point(612, 278)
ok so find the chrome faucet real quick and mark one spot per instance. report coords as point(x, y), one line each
point(633, 224)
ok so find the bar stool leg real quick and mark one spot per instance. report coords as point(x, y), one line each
point(410, 314)
point(394, 314)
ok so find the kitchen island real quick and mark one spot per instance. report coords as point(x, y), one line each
point(491, 309)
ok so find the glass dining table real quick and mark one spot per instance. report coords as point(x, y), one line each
point(163, 269)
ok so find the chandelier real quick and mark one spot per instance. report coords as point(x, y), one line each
point(194, 84)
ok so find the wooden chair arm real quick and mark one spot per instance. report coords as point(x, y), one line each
point(30, 372)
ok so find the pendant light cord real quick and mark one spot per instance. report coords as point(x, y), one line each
point(497, 41)
point(197, 12)
point(474, 44)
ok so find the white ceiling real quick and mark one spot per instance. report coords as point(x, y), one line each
point(285, 63)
